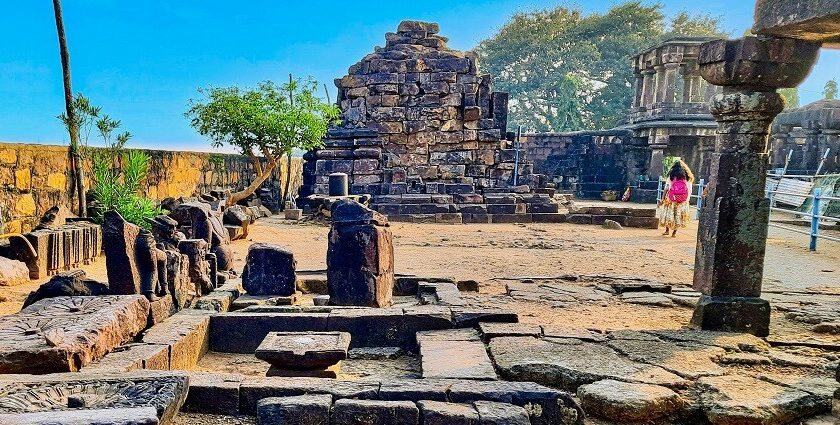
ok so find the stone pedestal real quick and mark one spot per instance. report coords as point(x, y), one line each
point(729, 263)
point(360, 257)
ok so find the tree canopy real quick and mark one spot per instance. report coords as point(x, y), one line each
point(830, 90)
point(269, 121)
point(566, 70)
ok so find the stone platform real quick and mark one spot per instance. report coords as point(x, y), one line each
point(291, 353)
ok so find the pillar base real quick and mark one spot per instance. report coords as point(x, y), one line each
point(732, 314)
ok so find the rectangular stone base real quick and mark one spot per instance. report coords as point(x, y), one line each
point(330, 372)
point(732, 314)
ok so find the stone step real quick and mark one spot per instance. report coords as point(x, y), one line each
point(454, 356)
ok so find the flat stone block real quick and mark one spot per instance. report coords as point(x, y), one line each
point(555, 406)
point(213, 393)
point(64, 334)
point(732, 314)
point(548, 218)
point(449, 218)
point(627, 402)
point(254, 389)
point(494, 330)
point(511, 218)
point(579, 219)
point(269, 270)
point(476, 218)
point(469, 317)
point(493, 413)
point(642, 222)
point(440, 413)
point(304, 350)
point(300, 410)
point(293, 214)
point(132, 357)
point(374, 412)
point(739, 399)
point(456, 360)
point(329, 372)
point(121, 416)
point(415, 389)
point(243, 332)
point(188, 338)
point(371, 327)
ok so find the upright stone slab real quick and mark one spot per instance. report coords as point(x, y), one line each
point(269, 270)
point(120, 240)
point(729, 262)
point(360, 257)
point(196, 251)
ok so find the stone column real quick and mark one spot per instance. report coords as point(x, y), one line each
point(729, 263)
point(660, 83)
point(671, 71)
point(648, 89)
point(638, 90)
point(811, 152)
point(657, 144)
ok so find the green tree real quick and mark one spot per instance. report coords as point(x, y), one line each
point(71, 122)
point(566, 70)
point(830, 91)
point(791, 97)
point(268, 120)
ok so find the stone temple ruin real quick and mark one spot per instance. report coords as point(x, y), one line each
point(136, 350)
point(424, 133)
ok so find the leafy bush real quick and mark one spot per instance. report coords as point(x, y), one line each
point(117, 174)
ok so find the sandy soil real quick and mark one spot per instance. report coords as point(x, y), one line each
point(490, 253)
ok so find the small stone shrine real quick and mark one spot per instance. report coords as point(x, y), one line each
point(360, 257)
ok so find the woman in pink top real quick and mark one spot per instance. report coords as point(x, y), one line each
point(673, 211)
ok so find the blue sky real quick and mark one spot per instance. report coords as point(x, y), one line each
point(142, 61)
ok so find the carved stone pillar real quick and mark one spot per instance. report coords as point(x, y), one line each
point(660, 83)
point(648, 90)
point(657, 144)
point(729, 263)
point(671, 71)
point(638, 90)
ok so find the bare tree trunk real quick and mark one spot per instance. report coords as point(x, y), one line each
point(73, 124)
point(262, 176)
point(288, 181)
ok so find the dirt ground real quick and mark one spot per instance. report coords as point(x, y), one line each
point(489, 253)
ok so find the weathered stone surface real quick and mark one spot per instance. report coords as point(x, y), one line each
point(67, 284)
point(373, 412)
point(626, 402)
point(687, 360)
point(360, 264)
point(129, 357)
point(739, 399)
point(415, 389)
point(120, 416)
point(494, 330)
point(243, 332)
point(213, 393)
point(120, 240)
point(196, 251)
point(440, 413)
point(13, 272)
point(493, 413)
point(66, 333)
point(269, 270)
point(571, 365)
point(726, 340)
point(545, 405)
point(304, 350)
point(186, 334)
point(164, 392)
point(455, 359)
point(300, 410)
point(254, 389)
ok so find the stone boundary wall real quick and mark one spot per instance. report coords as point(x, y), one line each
point(585, 163)
point(34, 178)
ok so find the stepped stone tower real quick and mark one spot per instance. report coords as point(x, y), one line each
point(417, 118)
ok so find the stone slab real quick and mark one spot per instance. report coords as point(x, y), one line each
point(456, 360)
point(739, 399)
point(466, 317)
point(254, 389)
point(120, 416)
point(569, 366)
point(131, 357)
point(59, 393)
point(64, 334)
point(415, 389)
point(441, 413)
point(186, 334)
point(213, 393)
point(493, 413)
point(374, 412)
point(546, 406)
point(304, 350)
point(688, 360)
point(300, 410)
point(625, 402)
point(492, 330)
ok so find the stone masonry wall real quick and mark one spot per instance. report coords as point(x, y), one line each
point(34, 178)
point(417, 117)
